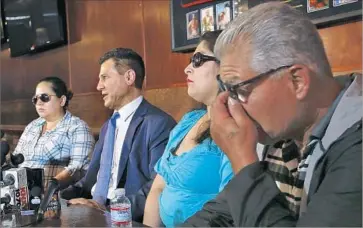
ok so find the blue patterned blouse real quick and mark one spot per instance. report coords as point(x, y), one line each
point(192, 178)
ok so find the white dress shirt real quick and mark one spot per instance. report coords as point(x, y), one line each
point(122, 124)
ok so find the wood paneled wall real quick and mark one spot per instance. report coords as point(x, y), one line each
point(96, 26)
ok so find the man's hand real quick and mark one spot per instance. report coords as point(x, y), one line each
point(234, 132)
point(86, 202)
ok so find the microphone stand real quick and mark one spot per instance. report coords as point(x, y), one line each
point(53, 186)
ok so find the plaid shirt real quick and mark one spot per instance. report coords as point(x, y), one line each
point(288, 169)
point(68, 146)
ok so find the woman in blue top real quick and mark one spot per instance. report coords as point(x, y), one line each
point(192, 170)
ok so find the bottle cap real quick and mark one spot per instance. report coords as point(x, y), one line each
point(119, 192)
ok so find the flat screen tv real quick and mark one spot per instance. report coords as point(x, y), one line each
point(3, 33)
point(35, 25)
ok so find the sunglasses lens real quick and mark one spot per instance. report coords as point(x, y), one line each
point(34, 100)
point(197, 60)
point(44, 97)
point(233, 93)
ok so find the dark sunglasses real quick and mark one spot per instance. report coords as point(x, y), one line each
point(198, 59)
point(233, 89)
point(43, 97)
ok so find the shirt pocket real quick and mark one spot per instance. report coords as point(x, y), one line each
point(30, 141)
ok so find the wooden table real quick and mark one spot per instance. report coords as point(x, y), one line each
point(72, 216)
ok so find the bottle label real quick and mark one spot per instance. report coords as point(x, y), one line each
point(54, 203)
point(121, 215)
point(54, 207)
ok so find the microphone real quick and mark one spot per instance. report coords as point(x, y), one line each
point(13, 162)
point(35, 185)
point(9, 179)
point(17, 159)
point(16, 179)
point(53, 185)
point(36, 191)
point(6, 199)
point(72, 192)
point(4, 150)
point(35, 196)
point(5, 202)
point(7, 196)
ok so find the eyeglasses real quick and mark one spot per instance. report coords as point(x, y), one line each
point(198, 59)
point(237, 92)
point(43, 97)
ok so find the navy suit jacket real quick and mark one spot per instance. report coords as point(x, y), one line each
point(144, 144)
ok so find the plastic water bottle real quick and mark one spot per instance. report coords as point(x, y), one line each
point(120, 207)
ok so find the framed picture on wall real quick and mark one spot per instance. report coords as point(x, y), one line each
point(316, 5)
point(324, 13)
point(223, 14)
point(215, 14)
point(186, 14)
point(192, 26)
point(342, 2)
point(239, 6)
point(207, 19)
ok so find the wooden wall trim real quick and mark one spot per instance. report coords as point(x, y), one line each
point(337, 73)
point(69, 42)
point(16, 128)
point(143, 38)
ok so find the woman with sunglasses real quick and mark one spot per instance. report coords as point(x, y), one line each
point(192, 170)
point(57, 141)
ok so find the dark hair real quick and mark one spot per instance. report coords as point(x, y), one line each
point(60, 89)
point(204, 128)
point(210, 39)
point(127, 57)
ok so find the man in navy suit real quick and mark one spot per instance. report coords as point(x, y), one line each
point(137, 132)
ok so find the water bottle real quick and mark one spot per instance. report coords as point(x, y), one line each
point(120, 208)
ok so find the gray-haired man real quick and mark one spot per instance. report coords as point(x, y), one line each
point(281, 87)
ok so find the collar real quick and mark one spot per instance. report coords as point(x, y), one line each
point(127, 110)
point(318, 131)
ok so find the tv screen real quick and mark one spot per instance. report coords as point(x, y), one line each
point(35, 25)
point(3, 34)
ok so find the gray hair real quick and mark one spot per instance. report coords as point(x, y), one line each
point(278, 35)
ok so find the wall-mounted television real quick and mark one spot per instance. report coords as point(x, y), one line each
point(3, 33)
point(35, 25)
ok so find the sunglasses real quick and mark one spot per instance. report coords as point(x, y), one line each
point(239, 91)
point(198, 59)
point(43, 97)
